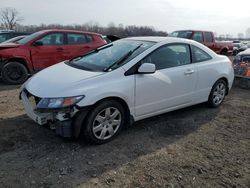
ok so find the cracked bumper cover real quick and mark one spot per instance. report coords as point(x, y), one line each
point(62, 126)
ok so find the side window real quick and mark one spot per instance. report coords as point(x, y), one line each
point(246, 59)
point(74, 38)
point(89, 38)
point(4, 37)
point(199, 55)
point(208, 37)
point(52, 39)
point(169, 56)
point(198, 37)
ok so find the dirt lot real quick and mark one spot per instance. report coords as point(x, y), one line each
point(193, 147)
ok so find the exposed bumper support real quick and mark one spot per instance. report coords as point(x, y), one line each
point(62, 126)
point(40, 118)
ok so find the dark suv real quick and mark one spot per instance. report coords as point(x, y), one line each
point(6, 35)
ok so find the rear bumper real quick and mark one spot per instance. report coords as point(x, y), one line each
point(59, 121)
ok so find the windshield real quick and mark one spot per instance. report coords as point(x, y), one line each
point(182, 34)
point(29, 37)
point(111, 55)
point(4, 37)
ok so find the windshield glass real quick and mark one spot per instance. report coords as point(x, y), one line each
point(104, 57)
point(182, 34)
point(4, 37)
point(29, 37)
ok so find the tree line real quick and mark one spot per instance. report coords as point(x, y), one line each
point(11, 19)
point(110, 29)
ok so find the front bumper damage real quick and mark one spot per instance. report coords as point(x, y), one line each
point(59, 120)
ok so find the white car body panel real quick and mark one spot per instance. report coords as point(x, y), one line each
point(146, 95)
point(174, 87)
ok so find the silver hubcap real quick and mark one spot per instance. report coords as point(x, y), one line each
point(219, 93)
point(106, 123)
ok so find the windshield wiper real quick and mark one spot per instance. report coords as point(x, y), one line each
point(123, 58)
point(92, 51)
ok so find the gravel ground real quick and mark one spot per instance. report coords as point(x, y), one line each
point(192, 147)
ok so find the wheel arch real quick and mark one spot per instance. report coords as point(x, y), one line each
point(84, 111)
point(224, 50)
point(225, 80)
point(20, 60)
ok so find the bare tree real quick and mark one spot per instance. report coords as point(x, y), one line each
point(10, 18)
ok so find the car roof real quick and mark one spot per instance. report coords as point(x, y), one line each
point(245, 52)
point(71, 31)
point(159, 39)
point(192, 30)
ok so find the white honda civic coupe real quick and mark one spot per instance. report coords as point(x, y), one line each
point(125, 81)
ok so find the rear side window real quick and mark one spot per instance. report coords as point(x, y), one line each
point(208, 37)
point(169, 56)
point(198, 37)
point(52, 39)
point(74, 38)
point(199, 55)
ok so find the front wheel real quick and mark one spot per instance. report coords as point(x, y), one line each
point(14, 73)
point(104, 122)
point(217, 94)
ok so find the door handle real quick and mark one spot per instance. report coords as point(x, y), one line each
point(189, 71)
point(59, 49)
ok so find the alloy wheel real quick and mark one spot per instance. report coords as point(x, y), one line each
point(219, 93)
point(106, 123)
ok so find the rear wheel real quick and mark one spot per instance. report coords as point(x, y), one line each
point(217, 94)
point(14, 73)
point(224, 52)
point(104, 122)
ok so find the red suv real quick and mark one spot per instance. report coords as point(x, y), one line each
point(42, 49)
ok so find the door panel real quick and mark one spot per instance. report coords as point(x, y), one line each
point(209, 40)
point(165, 89)
point(171, 85)
point(50, 52)
point(78, 44)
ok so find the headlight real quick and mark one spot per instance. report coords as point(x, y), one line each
point(58, 102)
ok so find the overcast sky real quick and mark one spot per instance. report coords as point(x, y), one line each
point(221, 16)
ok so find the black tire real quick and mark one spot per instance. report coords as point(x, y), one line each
point(211, 99)
point(244, 83)
point(224, 52)
point(14, 73)
point(89, 123)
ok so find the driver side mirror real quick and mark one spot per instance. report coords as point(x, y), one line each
point(37, 43)
point(147, 68)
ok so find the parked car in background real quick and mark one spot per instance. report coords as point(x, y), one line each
point(125, 81)
point(8, 34)
point(110, 38)
point(242, 68)
point(14, 40)
point(43, 49)
point(242, 63)
point(207, 38)
point(236, 46)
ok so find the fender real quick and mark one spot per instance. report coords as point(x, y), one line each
point(24, 60)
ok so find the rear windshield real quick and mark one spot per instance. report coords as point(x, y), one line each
point(181, 34)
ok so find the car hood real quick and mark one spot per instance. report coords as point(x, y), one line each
point(60, 80)
point(8, 45)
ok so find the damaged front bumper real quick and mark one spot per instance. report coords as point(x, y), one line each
point(59, 120)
